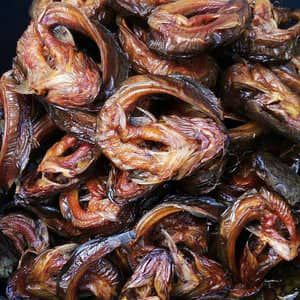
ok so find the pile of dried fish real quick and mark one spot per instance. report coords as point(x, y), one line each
point(150, 150)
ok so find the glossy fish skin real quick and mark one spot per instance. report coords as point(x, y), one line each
point(256, 261)
point(269, 244)
point(16, 134)
point(57, 71)
point(181, 227)
point(114, 65)
point(58, 171)
point(291, 157)
point(53, 219)
point(63, 86)
point(84, 257)
point(102, 280)
point(81, 124)
point(245, 133)
point(238, 182)
point(180, 136)
point(184, 218)
point(197, 276)
point(204, 181)
point(25, 233)
point(123, 190)
point(257, 92)
point(16, 285)
point(102, 215)
point(264, 40)
point(150, 150)
point(141, 8)
point(89, 7)
point(151, 279)
point(279, 177)
point(37, 278)
point(43, 127)
point(201, 68)
point(41, 279)
point(289, 73)
point(215, 23)
point(189, 205)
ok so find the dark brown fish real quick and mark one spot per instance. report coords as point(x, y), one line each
point(188, 27)
point(184, 143)
point(62, 167)
point(265, 40)
point(15, 131)
point(256, 91)
point(201, 68)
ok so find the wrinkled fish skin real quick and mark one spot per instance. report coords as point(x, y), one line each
point(103, 177)
point(43, 127)
point(16, 285)
point(197, 276)
point(58, 169)
point(84, 257)
point(41, 280)
point(256, 91)
point(179, 136)
point(279, 177)
point(192, 205)
point(16, 134)
point(102, 215)
point(141, 8)
point(289, 73)
point(62, 85)
point(264, 40)
point(78, 123)
point(256, 261)
point(25, 233)
point(103, 280)
point(174, 33)
point(88, 7)
point(151, 279)
point(266, 245)
point(201, 68)
point(57, 71)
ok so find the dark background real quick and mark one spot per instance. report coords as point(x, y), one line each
point(14, 18)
